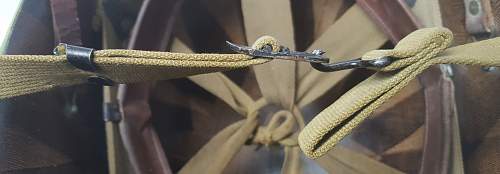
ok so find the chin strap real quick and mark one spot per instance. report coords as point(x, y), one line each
point(411, 56)
point(25, 74)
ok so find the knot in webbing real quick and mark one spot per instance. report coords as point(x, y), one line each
point(278, 130)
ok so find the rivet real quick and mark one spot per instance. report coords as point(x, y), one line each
point(489, 69)
point(111, 112)
point(474, 7)
point(411, 3)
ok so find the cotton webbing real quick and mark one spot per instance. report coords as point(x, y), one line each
point(280, 76)
point(415, 53)
point(25, 74)
point(277, 79)
point(223, 144)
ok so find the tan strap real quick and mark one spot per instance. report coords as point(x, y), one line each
point(25, 74)
point(415, 53)
point(226, 143)
point(277, 80)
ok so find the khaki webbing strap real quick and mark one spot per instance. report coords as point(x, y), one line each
point(221, 86)
point(277, 80)
point(217, 146)
point(25, 74)
point(214, 156)
point(415, 53)
point(226, 143)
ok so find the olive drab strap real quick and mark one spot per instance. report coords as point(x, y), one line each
point(286, 77)
point(277, 80)
point(415, 53)
point(25, 74)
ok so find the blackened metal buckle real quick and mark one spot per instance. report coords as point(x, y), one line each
point(79, 57)
point(83, 59)
point(315, 58)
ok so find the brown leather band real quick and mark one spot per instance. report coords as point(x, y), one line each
point(66, 22)
point(436, 151)
point(151, 34)
point(392, 16)
point(140, 138)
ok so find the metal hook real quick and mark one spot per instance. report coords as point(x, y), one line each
point(315, 58)
point(352, 64)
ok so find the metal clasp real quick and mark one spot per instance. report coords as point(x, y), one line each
point(283, 53)
point(79, 57)
point(352, 64)
point(315, 58)
point(82, 58)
